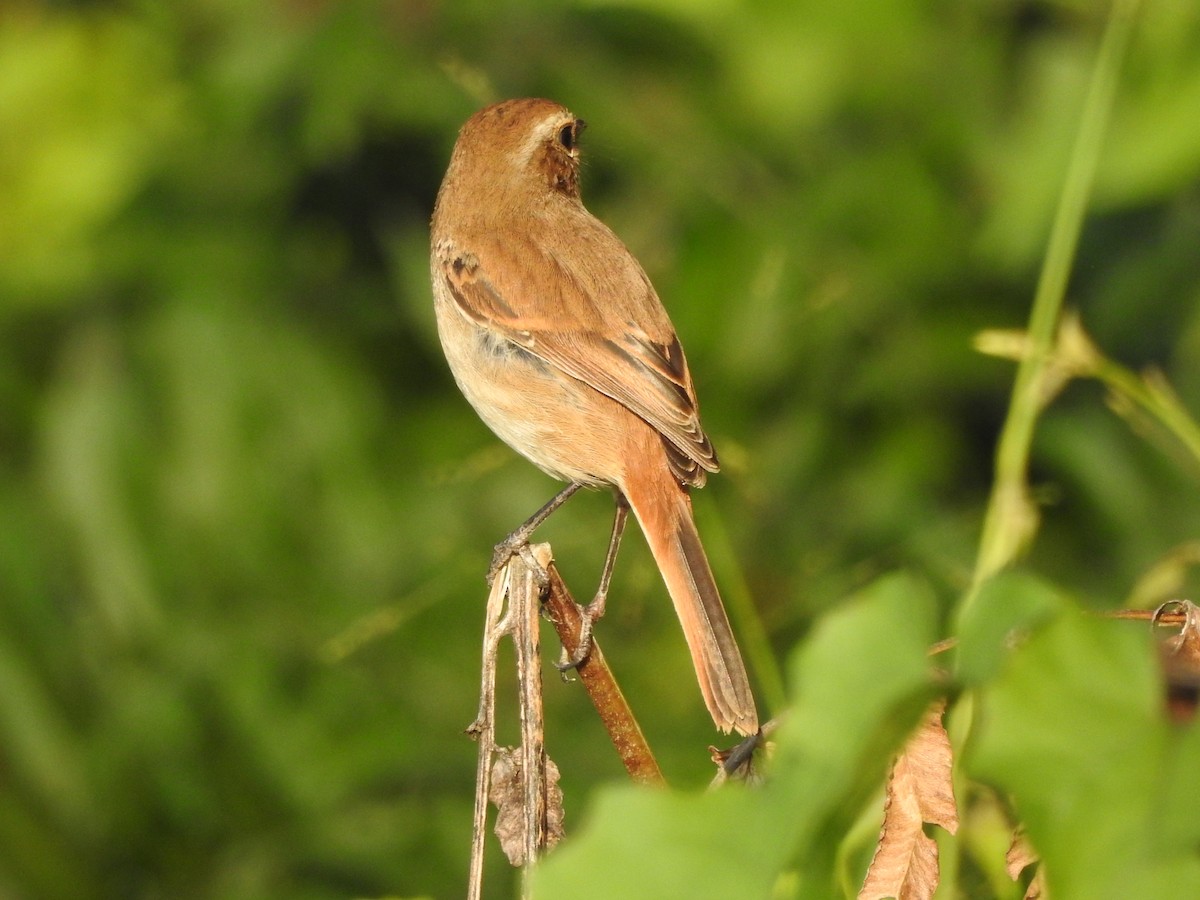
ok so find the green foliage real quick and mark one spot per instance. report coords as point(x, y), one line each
point(831, 756)
point(1074, 730)
point(244, 514)
point(1071, 728)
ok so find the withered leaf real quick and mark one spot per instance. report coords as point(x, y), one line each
point(919, 791)
point(507, 794)
point(1019, 857)
point(1179, 656)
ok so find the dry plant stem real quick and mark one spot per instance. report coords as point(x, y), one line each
point(601, 686)
point(521, 580)
point(1147, 615)
point(483, 729)
point(526, 580)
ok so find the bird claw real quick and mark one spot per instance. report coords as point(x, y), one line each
point(588, 616)
point(511, 546)
point(516, 545)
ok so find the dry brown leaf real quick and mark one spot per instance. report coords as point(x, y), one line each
point(507, 793)
point(1179, 655)
point(1037, 887)
point(919, 790)
point(1019, 857)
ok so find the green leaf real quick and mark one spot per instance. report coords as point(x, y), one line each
point(1007, 605)
point(857, 683)
point(1074, 731)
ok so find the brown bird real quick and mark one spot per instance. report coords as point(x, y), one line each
point(560, 343)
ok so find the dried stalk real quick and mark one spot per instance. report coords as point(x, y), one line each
point(527, 578)
point(526, 581)
point(483, 729)
point(602, 688)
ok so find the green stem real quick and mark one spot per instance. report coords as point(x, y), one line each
point(1154, 397)
point(1010, 519)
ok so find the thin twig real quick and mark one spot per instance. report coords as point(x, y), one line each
point(1157, 616)
point(597, 679)
point(483, 729)
point(527, 576)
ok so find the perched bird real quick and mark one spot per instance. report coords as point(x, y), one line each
point(558, 340)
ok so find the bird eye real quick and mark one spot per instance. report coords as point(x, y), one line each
point(568, 135)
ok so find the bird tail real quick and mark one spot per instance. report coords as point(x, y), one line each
point(664, 511)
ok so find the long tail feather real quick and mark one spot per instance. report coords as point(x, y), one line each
point(664, 511)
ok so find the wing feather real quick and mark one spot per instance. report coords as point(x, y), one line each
point(641, 366)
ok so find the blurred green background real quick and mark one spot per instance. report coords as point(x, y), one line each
point(245, 516)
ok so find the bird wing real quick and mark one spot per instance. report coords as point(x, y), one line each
point(630, 353)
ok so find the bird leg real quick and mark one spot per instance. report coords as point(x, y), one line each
point(591, 613)
point(519, 539)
